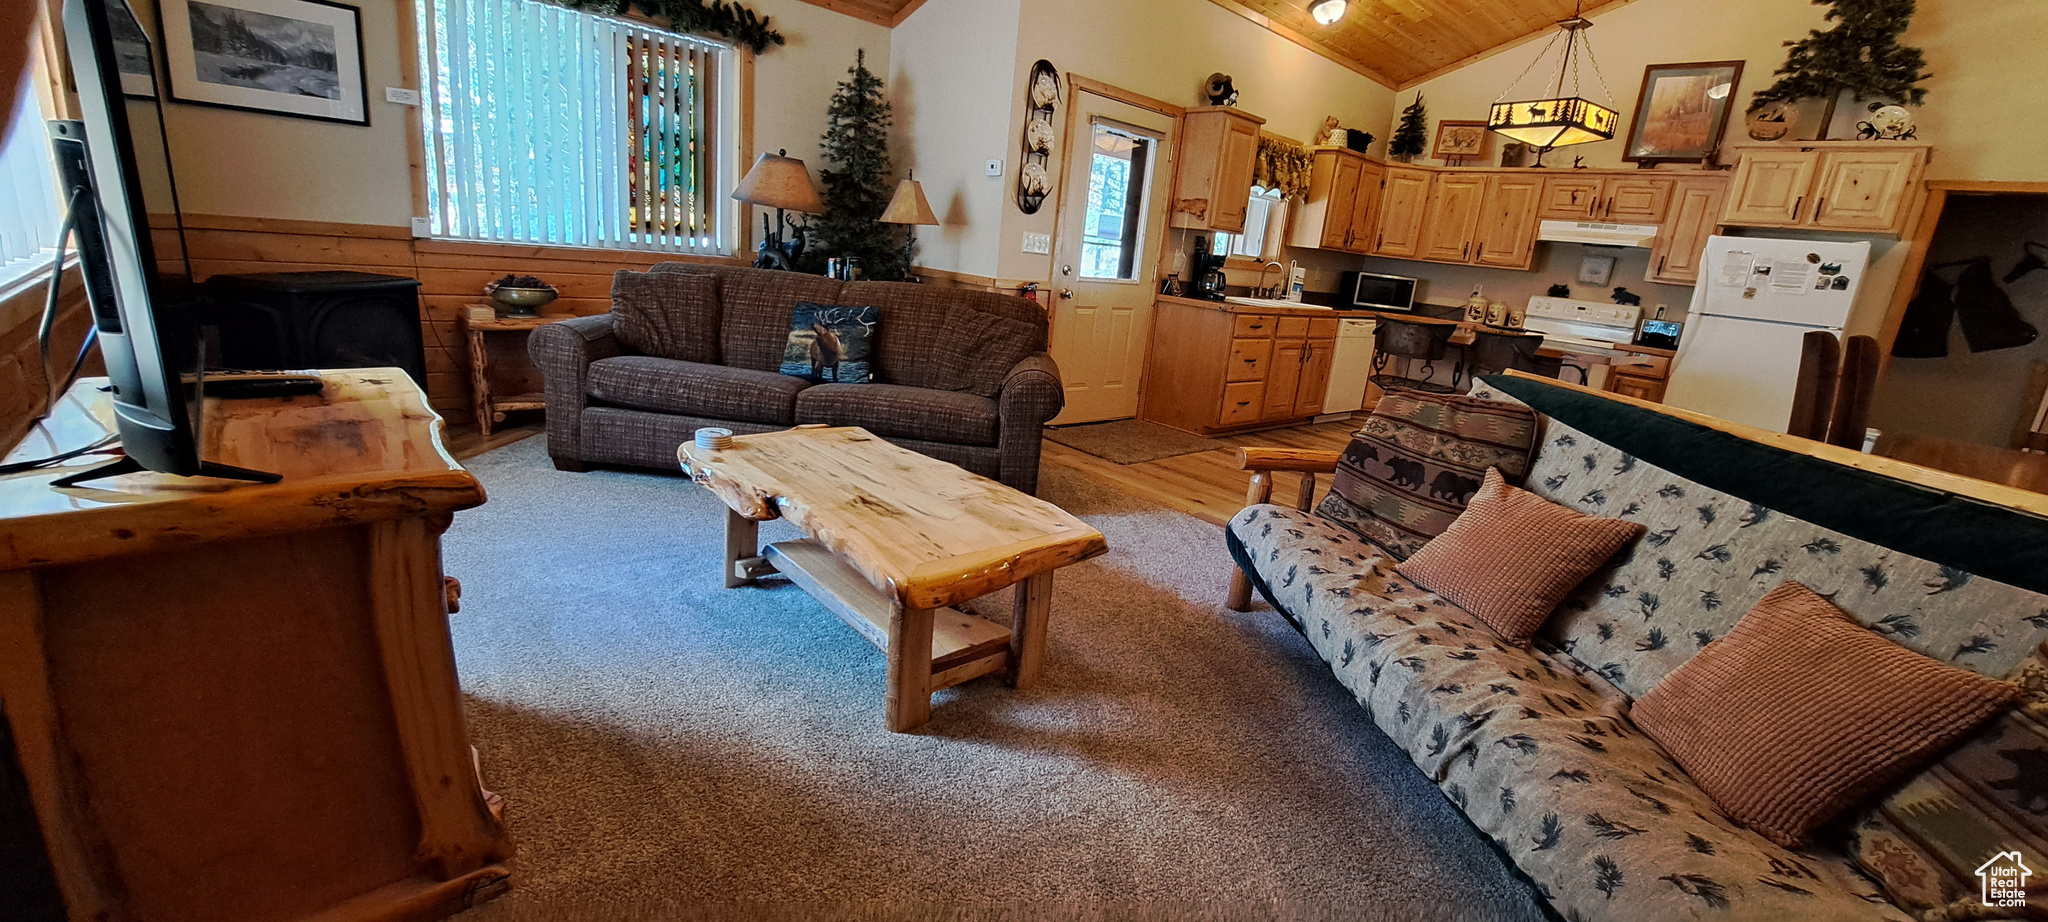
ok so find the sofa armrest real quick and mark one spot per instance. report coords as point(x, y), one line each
point(563, 352)
point(1032, 393)
point(1262, 462)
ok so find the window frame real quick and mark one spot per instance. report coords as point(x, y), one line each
point(732, 134)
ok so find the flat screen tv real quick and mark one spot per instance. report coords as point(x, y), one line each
point(147, 324)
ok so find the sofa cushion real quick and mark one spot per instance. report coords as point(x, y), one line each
point(952, 339)
point(644, 382)
point(1409, 471)
point(667, 314)
point(1513, 555)
point(1539, 755)
point(830, 343)
point(754, 309)
point(892, 410)
point(1926, 838)
point(1800, 712)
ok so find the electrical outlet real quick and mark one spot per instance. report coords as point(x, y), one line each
point(1040, 244)
point(995, 168)
point(401, 95)
point(422, 227)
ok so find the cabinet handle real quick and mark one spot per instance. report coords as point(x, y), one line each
point(1466, 253)
point(1382, 244)
point(1660, 264)
point(1795, 206)
point(1251, 361)
point(1819, 207)
point(1244, 403)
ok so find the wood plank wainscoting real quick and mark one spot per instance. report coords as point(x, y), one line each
point(451, 273)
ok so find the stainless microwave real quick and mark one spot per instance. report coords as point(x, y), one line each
point(1368, 291)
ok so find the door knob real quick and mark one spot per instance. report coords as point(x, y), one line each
point(1066, 293)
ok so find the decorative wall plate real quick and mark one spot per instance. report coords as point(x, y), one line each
point(1034, 177)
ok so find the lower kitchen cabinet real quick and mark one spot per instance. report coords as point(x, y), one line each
point(1211, 370)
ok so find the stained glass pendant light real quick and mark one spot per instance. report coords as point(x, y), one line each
point(1560, 119)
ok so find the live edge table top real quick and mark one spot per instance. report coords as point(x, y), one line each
point(923, 532)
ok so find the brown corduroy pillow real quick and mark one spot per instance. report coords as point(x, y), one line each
point(671, 314)
point(1511, 556)
point(1800, 712)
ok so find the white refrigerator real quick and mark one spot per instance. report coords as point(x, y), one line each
point(1756, 300)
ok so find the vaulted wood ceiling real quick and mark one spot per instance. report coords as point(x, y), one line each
point(1403, 42)
point(1397, 42)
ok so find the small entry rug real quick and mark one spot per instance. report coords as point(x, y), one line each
point(1130, 441)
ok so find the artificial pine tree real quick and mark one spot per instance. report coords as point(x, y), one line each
point(1412, 134)
point(857, 186)
point(1861, 54)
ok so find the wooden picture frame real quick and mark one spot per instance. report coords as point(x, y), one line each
point(1461, 141)
point(307, 60)
point(1679, 117)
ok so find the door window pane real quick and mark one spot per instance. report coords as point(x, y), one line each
point(1112, 231)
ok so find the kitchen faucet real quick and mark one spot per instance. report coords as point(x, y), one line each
point(1262, 291)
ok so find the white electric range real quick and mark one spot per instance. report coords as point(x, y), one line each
point(1592, 327)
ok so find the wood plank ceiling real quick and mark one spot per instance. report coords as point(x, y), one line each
point(889, 13)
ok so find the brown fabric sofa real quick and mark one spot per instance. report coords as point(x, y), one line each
point(959, 375)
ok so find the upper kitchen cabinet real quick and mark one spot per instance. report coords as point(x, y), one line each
point(1342, 210)
point(1859, 187)
point(1213, 176)
point(1453, 217)
point(1404, 206)
point(1695, 215)
point(1507, 221)
point(1619, 200)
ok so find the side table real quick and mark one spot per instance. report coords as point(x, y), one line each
point(490, 409)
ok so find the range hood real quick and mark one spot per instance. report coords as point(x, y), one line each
point(1613, 235)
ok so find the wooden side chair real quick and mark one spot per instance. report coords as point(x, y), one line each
point(1492, 353)
point(1413, 340)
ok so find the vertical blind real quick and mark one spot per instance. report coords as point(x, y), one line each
point(545, 125)
point(29, 212)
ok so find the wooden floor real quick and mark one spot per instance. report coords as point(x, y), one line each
point(1206, 485)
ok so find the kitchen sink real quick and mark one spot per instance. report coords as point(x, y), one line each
point(1275, 302)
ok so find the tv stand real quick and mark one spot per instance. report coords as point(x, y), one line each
point(128, 465)
point(238, 700)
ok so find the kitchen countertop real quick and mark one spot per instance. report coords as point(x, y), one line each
point(1464, 336)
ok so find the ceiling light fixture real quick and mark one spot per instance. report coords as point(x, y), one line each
point(1328, 11)
point(1559, 119)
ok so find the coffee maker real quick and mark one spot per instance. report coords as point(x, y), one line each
point(1206, 282)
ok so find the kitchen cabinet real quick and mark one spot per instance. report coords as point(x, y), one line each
point(1212, 370)
point(1695, 215)
point(1613, 199)
point(1404, 205)
point(1213, 172)
point(1507, 222)
point(1342, 209)
point(1859, 187)
point(1452, 217)
point(1641, 375)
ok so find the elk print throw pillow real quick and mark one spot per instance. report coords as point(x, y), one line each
point(1416, 463)
point(830, 345)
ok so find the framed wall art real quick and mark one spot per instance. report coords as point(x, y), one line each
point(1460, 141)
point(286, 57)
point(1682, 111)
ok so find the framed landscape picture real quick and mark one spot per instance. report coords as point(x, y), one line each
point(1459, 140)
point(1682, 111)
point(285, 57)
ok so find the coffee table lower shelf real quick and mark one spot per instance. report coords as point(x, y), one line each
point(963, 646)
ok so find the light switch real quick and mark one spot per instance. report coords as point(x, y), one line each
point(995, 168)
point(1040, 244)
point(401, 95)
point(422, 227)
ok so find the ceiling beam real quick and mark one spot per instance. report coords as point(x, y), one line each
point(1288, 33)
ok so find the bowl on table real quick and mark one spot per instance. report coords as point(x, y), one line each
point(523, 302)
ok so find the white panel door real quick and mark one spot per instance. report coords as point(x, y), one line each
point(1739, 370)
point(1106, 258)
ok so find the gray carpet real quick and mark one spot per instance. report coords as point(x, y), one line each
point(671, 749)
point(1131, 441)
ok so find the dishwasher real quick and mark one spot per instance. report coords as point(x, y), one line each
point(1350, 366)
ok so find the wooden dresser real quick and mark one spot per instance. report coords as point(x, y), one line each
point(238, 701)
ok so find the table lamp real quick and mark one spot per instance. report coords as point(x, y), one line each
point(909, 208)
point(781, 182)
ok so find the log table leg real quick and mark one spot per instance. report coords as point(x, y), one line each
point(742, 544)
point(907, 703)
point(1027, 630)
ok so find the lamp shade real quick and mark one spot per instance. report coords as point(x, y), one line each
point(780, 182)
point(908, 206)
point(1548, 123)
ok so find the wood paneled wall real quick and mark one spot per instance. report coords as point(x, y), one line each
point(452, 274)
point(24, 382)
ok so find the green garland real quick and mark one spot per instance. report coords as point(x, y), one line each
point(700, 17)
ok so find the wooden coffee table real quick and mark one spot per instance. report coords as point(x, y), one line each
point(896, 539)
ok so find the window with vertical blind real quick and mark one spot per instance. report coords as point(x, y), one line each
point(548, 126)
point(29, 213)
